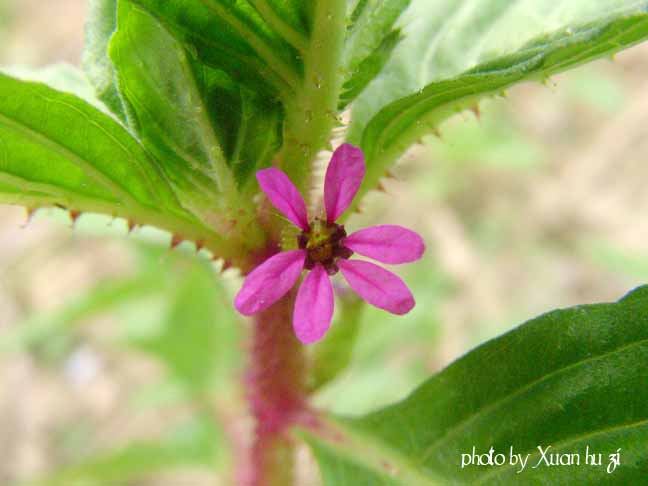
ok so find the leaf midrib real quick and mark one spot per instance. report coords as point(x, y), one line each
point(69, 154)
point(219, 172)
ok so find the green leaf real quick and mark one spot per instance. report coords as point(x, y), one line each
point(368, 69)
point(197, 122)
point(569, 379)
point(196, 443)
point(41, 331)
point(197, 341)
point(56, 149)
point(208, 133)
point(169, 113)
point(232, 37)
point(62, 77)
point(456, 53)
point(369, 43)
point(269, 70)
point(101, 23)
point(333, 354)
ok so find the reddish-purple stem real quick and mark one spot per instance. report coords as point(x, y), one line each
point(276, 392)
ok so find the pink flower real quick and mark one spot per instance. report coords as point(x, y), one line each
point(325, 249)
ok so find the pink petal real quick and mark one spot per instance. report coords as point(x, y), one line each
point(386, 243)
point(377, 286)
point(343, 178)
point(314, 306)
point(269, 282)
point(283, 195)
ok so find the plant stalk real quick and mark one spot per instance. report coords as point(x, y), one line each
point(312, 113)
point(276, 392)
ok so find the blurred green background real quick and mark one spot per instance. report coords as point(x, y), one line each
point(121, 361)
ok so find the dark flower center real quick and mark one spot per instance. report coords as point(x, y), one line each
point(323, 242)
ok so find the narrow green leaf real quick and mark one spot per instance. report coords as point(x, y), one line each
point(368, 69)
point(444, 39)
point(39, 330)
point(371, 22)
point(401, 123)
point(369, 43)
point(198, 339)
point(196, 443)
point(331, 356)
point(569, 379)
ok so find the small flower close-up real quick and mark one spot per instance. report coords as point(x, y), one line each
point(324, 248)
point(197, 276)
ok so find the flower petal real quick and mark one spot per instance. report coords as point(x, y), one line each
point(386, 243)
point(283, 195)
point(377, 286)
point(343, 178)
point(270, 281)
point(314, 306)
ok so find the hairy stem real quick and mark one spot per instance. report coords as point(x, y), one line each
point(276, 391)
point(312, 113)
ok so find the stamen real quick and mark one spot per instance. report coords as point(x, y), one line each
point(323, 242)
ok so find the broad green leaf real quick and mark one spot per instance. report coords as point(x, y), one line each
point(56, 149)
point(101, 23)
point(232, 37)
point(197, 122)
point(569, 379)
point(269, 70)
point(207, 132)
point(455, 53)
point(169, 113)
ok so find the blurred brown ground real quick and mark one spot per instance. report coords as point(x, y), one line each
point(591, 187)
